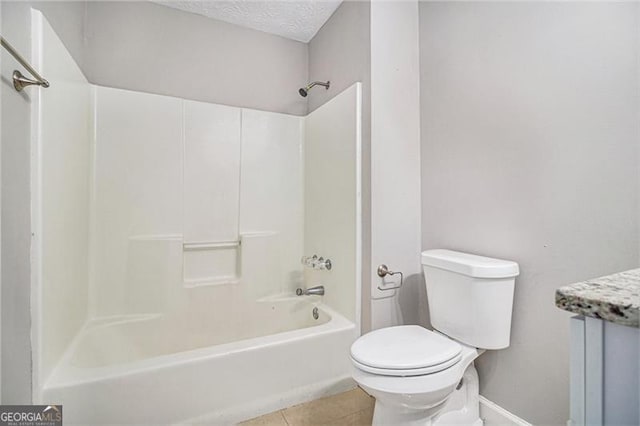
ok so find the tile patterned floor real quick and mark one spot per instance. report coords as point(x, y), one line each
point(351, 408)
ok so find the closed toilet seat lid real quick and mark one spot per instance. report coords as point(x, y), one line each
point(407, 350)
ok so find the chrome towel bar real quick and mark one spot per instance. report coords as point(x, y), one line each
point(19, 80)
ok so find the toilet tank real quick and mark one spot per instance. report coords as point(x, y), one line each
point(470, 297)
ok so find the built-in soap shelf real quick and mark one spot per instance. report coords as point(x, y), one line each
point(211, 263)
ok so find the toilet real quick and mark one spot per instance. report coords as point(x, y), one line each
point(427, 377)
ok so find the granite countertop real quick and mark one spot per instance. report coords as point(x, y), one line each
point(614, 298)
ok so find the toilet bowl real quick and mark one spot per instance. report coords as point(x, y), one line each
point(421, 377)
point(411, 372)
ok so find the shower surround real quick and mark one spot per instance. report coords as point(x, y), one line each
point(195, 217)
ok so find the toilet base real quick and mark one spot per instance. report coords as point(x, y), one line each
point(462, 407)
point(385, 416)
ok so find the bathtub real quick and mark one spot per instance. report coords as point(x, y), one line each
point(152, 369)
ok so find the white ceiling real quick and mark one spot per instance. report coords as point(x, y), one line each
point(295, 19)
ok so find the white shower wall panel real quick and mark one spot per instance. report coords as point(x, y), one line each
point(152, 271)
point(61, 154)
point(211, 172)
point(261, 269)
point(138, 177)
point(332, 198)
point(271, 186)
point(168, 169)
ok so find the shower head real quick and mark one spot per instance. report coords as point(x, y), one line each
point(304, 91)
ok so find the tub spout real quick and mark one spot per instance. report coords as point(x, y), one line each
point(317, 290)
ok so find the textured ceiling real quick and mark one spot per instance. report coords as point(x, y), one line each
point(295, 19)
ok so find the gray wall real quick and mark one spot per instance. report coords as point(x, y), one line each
point(151, 48)
point(530, 152)
point(341, 52)
point(15, 366)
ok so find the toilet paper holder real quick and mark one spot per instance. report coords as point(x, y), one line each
point(383, 271)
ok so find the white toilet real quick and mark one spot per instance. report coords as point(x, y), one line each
point(424, 377)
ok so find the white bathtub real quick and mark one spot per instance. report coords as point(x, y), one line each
point(150, 369)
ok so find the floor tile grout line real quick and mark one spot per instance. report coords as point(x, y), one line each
point(284, 417)
point(283, 411)
point(344, 417)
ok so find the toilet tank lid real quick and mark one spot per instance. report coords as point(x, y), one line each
point(470, 264)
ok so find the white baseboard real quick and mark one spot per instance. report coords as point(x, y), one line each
point(495, 415)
